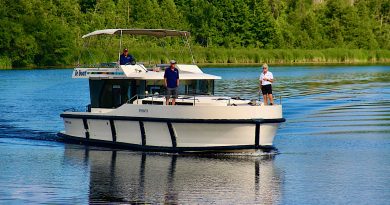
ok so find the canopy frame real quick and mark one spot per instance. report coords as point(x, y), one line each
point(158, 33)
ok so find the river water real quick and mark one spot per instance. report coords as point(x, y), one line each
point(333, 149)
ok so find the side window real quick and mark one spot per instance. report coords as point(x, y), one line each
point(155, 87)
point(110, 93)
point(116, 95)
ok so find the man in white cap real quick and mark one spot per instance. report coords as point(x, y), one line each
point(171, 80)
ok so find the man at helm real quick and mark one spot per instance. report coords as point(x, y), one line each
point(126, 58)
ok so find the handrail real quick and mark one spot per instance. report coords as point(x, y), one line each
point(280, 99)
point(137, 97)
point(99, 65)
point(193, 97)
point(132, 99)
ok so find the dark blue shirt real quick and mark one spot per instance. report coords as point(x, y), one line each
point(126, 59)
point(171, 76)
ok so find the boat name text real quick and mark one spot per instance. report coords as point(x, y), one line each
point(143, 110)
point(80, 73)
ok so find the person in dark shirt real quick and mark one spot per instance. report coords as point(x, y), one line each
point(171, 80)
point(126, 58)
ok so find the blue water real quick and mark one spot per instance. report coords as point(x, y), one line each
point(334, 147)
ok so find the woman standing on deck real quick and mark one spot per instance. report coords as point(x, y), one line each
point(266, 79)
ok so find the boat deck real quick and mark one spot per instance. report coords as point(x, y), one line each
point(198, 101)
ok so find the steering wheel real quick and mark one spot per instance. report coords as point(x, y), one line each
point(133, 62)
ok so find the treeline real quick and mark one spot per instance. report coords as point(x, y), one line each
point(47, 32)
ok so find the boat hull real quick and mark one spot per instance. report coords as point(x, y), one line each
point(170, 134)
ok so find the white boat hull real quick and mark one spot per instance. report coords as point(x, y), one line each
point(143, 127)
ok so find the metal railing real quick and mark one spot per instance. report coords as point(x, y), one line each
point(154, 96)
point(194, 98)
point(99, 65)
point(182, 97)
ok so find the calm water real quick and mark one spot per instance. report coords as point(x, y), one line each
point(334, 147)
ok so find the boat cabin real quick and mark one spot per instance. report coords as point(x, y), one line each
point(115, 86)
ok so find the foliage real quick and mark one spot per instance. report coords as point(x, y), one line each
point(47, 32)
point(5, 63)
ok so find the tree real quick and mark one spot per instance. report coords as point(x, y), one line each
point(264, 25)
point(87, 5)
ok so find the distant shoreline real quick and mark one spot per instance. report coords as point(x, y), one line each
point(292, 64)
point(229, 57)
point(227, 65)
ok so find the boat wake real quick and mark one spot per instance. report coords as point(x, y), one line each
point(264, 154)
point(9, 131)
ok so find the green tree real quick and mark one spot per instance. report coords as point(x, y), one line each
point(87, 5)
point(264, 26)
point(124, 13)
point(146, 13)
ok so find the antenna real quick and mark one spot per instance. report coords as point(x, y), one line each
point(120, 47)
point(189, 46)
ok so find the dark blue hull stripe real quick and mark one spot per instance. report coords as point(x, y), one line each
point(113, 130)
point(174, 120)
point(143, 135)
point(93, 142)
point(85, 123)
point(257, 134)
point(172, 133)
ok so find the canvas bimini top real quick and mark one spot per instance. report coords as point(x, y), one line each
point(160, 33)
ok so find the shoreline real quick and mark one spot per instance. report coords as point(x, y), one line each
point(207, 65)
point(227, 65)
point(225, 57)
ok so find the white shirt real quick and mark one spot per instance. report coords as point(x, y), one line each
point(267, 75)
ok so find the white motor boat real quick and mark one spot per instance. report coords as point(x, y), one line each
point(128, 111)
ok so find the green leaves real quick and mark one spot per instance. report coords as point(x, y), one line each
point(47, 32)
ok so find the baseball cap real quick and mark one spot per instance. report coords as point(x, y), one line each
point(172, 61)
point(125, 49)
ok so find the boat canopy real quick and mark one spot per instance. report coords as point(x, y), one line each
point(148, 32)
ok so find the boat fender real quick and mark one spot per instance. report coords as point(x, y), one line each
point(252, 102)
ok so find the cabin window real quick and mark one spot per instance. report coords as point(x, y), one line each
point(186, 87)
point(196, 87)
point(141, 86)
point(116, 95)
point(155, 87)
point(110, 93)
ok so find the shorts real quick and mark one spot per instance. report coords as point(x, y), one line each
point(172, 92)
point(266, 89)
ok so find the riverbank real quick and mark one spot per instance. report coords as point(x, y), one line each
point(294, 56)
point(209, 57)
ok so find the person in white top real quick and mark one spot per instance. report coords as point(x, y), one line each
point(266, 80)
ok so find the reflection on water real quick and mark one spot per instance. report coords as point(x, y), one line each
point(120, 176)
